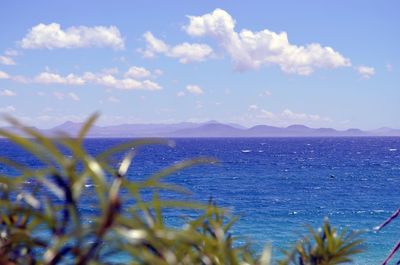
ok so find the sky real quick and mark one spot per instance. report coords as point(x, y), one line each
point(318, 63)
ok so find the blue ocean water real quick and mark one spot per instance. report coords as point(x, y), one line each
point(278, 185)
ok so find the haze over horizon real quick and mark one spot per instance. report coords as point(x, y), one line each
point(237, 125)
point(323, 65)
point(210, 129)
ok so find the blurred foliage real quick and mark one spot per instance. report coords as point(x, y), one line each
point(325, 247)
point(42, 222)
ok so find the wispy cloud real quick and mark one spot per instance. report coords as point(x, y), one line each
point(265, 93)
point(105, 78)
point(180, 94)
point(185, 52)
point(194, 89)
point(7, 93)
point(113, 99)
point(52, 36)
point(11, 53)
point(109, 80)
point(137, 72)
point(141, 73)
point(8, 109)
point(53, 78)
point(73, 96)
point(6, 60)
point(365, 71)
point(7, 57)
point(4, 75)
point(61, 96)
point(258, 115)
point(253, 107)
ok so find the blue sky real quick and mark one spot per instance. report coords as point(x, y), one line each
point(318, 63)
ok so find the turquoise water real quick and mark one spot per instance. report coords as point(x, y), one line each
point(278, 185)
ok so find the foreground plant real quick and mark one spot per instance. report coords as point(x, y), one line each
point(44, 223)
point(43, 219)
point(325, 247)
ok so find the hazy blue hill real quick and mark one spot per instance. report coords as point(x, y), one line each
point(209, 129)
point(262, 130)
point(354, 132)
point(385, 131)
point(141, 130)
point(326, 132)
point(71, 128)
point(234, 125)
point(298, 127)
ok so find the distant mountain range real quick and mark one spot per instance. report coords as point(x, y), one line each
point(209, 129)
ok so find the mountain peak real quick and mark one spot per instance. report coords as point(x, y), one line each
point(298, 127)
point(212, 122)
point(68, 123)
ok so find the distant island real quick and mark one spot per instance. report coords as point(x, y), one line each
point(209, 129)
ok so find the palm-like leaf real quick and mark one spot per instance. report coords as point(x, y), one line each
point(325, 247)
point(45, 224)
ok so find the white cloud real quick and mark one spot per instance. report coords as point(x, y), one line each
point(137, 72)
point(124, 84)
point(268, 115)
point(21, 79)
point(111, 71)
point(153, 45)
point(289, 115)
point(102, 78)
point(253, 107)
point(257, 115)
point(4, 75)
point(265, 93)
point(194, 89)
point(185, 52)
point(7, 93)
point(113, 99)
point(7, 109)
point(6, 60)
point(188, 53)
point(62, 96)
point(180, 94)
point(365, 71)
point(389, 67)
point(150, 85)
point(250, 50)
point(74, 96)
point(11, 52)
point(53, 78)
point(59, 95)
point(158, 72)
point(51, 36)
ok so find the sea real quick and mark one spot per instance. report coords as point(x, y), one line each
point(278, 186)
